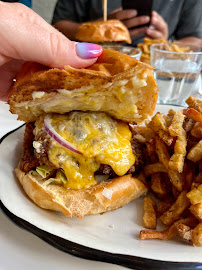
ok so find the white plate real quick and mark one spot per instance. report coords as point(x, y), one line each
point(116, 232)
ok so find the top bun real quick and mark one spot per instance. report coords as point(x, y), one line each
point(116, 84)
point(103, 31)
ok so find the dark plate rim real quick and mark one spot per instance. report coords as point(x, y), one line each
point(133, 262)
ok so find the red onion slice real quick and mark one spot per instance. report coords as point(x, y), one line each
point(51, 131)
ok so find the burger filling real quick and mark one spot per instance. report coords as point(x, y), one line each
point(73, 147)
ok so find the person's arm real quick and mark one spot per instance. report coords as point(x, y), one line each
point(25, 36)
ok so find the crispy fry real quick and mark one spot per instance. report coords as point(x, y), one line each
point(142, 178)
point(197, 130)
point(175, 129)
point(195, 195)
point(190, 221)
point(159, 184)
point(164, 206)
point(158, 124)
point(154, 168)
point(189, 174)
point(142, 134)
point(175, 192)
point(176, 209)
point(194, 103)
point(151, 150)
point(149, 217)
point(197, 235)
point(195, 154)
point(184, 231)
point(193, 114)
point(188, 124)
point(197, 211)
point(176, 179)
point(161, 235)
point(162, 152)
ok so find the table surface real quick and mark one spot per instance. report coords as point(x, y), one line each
point(20, 249)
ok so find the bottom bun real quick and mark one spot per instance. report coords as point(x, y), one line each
point(100, 198)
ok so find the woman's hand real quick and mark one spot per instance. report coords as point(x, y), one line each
point(25, 36)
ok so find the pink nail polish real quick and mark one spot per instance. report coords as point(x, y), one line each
point(88, 50)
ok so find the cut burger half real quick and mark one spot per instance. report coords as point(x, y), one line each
point(79, 155)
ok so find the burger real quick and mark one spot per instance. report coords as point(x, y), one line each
point(104, 32)
point(79, 155)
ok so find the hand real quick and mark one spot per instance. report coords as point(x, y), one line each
point(130, 19)
point(25, 36)
point(158, 29)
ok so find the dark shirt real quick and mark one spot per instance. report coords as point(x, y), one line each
point(184, 17)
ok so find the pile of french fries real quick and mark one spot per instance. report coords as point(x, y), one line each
point(172, 47)
point(173, 172)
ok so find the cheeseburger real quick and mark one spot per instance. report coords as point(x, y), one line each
point(79, 155)
point(104, 32)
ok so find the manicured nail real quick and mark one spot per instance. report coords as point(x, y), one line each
point(88, 50)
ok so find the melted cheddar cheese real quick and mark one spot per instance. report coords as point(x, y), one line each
point(101, 140)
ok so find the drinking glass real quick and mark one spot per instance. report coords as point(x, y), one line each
point(131, 51)
point(178, 74)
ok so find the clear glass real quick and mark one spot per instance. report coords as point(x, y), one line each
point(178, 74)
point(133, 52)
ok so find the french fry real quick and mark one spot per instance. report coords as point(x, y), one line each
point(194, 103)
point(142, 178)
point(189, 174)
point(188, 124)
point(176, 161)
point(158, 124)
point(184, 231)
point(197, 130)
point(161, 235)
point(195, 195)
point(142, 134)
point(176, 179)
point(164, 206)
point(162, 152)
point(193, 114)
point(197, 235)
point(159, 184)
point(151, 150)
point(195, 154)
point(196, 210)
point(175, 192)
point(149, 217)
point(176, 209)
point(175, 129)
point(154, 168)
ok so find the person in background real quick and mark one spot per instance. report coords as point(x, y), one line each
point(25, 36)
point(27, 3)
point(171, 19)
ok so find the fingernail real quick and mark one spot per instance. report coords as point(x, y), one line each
point(88, 50)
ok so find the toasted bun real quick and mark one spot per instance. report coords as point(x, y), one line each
point(101, 198)
point(117, 84)
point(101, 31)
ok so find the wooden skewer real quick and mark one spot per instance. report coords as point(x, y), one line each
point(104, 7)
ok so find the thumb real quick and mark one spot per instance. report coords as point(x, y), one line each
point(34, 40)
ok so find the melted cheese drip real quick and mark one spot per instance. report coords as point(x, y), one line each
point(101, 139)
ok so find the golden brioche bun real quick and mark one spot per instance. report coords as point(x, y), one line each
point(116, 84)
point(101, 31)
point(81, 202)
